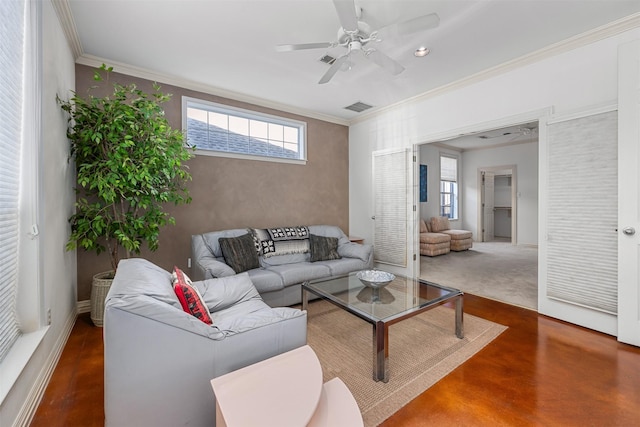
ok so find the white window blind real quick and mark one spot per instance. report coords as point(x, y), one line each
point(583, 212)
point(390, 198)
point(448, 169)
point(11, 71)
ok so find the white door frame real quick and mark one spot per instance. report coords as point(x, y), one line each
point(514, 199)
point(531, 116)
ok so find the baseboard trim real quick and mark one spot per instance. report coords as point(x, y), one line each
point(83, 306)
point(28, 410)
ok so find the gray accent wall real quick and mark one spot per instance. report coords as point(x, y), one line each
point(236, 193)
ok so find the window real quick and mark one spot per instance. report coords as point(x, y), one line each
point(22, 327)
point(449, 187)
point(220, 130)
point(11, 65)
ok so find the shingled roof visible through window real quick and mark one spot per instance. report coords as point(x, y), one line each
point(210, 137)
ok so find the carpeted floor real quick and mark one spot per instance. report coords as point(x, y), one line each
point(422, 350)
point(496, 270)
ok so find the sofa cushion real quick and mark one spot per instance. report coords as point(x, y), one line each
point(223, 292)
point(458, 234)
point(250, 315)
point(293, 274)
point(239, 252)
point(423, 226)
point(265, 280)
point(283, 259)
point(189, 297)
point(344, 265)
point(282, 240)
point(435, 237)
point(323, 248)
point(146, 279)
point(439, 223)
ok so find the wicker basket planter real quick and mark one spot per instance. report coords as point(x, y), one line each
point(99, 289)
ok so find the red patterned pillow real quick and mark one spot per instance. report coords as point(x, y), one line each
point(189, 297)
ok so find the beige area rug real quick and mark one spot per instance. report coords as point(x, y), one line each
point(422, 350)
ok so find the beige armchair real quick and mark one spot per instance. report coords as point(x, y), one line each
point(432, 244)
point(461, 240)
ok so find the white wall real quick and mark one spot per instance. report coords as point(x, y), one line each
point(525, 157)
point(577, 79)
point(430, 156)
point(59, 266)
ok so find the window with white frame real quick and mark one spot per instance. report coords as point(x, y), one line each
point(449, 187)
point(221, 130)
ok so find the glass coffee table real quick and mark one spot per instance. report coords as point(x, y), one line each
point(402, 298)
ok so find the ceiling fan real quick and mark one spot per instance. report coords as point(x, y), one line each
point(355, 35)
point(521, 131)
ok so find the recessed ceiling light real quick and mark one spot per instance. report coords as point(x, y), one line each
point(421, 51)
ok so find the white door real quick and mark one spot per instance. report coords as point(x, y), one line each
point(488, 205)
point(390, 207)
point(628, 190)
point(578, 219)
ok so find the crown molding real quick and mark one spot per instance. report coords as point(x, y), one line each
point(144, 73)
point(67, 22)
point(65, 17)
point(605, 31)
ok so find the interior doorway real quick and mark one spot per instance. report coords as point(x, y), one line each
point(507, 156)
point(497, 204)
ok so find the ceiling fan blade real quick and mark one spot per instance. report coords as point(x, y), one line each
point(385, 62)
point(333, 69)
point(414, 25)
point(302, 46)
point(347, 14)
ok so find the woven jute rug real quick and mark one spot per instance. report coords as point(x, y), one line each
point(422, 350)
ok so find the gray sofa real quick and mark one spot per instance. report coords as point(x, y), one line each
point(278, 278)
point(159, 360)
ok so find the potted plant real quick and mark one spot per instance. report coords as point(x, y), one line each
point(130, 164)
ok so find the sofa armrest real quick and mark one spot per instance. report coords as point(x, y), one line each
point(205, 265)
point(210, 268)
point(363, 252)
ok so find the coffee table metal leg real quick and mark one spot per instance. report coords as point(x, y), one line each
point(304, 298)
point(459, 317)
point(380, 352)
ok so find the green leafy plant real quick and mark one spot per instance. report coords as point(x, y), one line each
point(130, 164)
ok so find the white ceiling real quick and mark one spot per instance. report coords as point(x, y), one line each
point(229, 45)
point(494, 138)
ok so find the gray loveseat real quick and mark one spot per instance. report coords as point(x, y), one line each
point(278, 277)
point(159, 360)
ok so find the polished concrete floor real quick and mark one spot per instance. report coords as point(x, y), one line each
point(539, 372)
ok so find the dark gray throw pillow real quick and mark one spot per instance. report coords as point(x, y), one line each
point(239, 252)
point(323, 248)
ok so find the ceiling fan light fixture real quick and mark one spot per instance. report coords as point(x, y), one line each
point(421, 51)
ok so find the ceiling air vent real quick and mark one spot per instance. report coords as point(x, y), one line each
point(328, 59)
point(358, 107)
